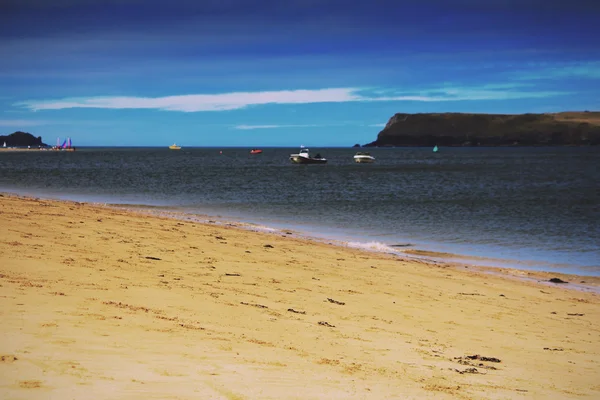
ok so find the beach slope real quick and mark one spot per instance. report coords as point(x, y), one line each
point(106, 303)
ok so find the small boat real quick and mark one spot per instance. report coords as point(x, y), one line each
point(174, 147)
point(363, 157)
point(303, 157)
point(255, 151)
point(68, 146)
point(435, 149)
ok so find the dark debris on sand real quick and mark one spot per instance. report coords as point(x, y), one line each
point(557, 280)
point(471, 361)
point(325, 323)
point(341, 303)
point(253, 305)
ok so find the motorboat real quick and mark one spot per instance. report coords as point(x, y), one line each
point(363, 157)
point(174, 147)
point(303, 157)
point(255, 151)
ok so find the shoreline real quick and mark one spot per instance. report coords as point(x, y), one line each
point(589, 283)
point(408, 251)
point(14, 150)
point(99, 300)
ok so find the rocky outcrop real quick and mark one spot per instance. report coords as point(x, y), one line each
point(458, 129)
point(21, 139)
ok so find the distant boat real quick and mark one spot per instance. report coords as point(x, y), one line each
point(363, 157)
point(174, 147)
point(302, 157)
point(4, 144)
point(68, 146)
point(255, 151)
point(435, 149)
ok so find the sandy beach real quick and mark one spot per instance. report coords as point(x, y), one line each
point(102, 303)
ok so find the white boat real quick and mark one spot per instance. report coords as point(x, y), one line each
point(4, 144)
point(363, 157)
point(303, 157)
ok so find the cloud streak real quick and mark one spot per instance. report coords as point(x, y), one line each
point(21, 123)
point(240, 100)
point(250, 127)
point(589, 70)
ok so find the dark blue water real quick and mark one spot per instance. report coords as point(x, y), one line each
point(539, 207)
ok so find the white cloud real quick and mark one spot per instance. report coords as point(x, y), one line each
point(201, 102)
point(239, 100)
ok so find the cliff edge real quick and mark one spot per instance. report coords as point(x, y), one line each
point(459, 129)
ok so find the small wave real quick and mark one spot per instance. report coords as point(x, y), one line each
point(260, 228)
point(377, 246)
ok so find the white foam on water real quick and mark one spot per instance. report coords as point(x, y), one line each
point(376, 246)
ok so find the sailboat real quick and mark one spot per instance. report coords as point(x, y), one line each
point(4, 144)
point(68, 146)
point(435, 149)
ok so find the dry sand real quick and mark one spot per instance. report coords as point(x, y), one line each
point(109, 304)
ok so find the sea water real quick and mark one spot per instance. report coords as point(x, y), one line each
point(533, 208)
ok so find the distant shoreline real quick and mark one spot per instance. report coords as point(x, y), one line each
point(36, 149)
point(20, 149)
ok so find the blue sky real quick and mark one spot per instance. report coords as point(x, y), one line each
point(284, 73)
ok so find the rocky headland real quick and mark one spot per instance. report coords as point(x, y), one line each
point(21, 139)
point(462, 129)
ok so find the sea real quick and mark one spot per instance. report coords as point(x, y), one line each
point(534, 208)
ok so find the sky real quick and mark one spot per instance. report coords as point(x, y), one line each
point(284, 72)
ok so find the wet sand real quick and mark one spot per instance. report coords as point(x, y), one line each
point(100, 302)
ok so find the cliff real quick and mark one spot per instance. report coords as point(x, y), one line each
point(458, 129)
point(21, 139)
